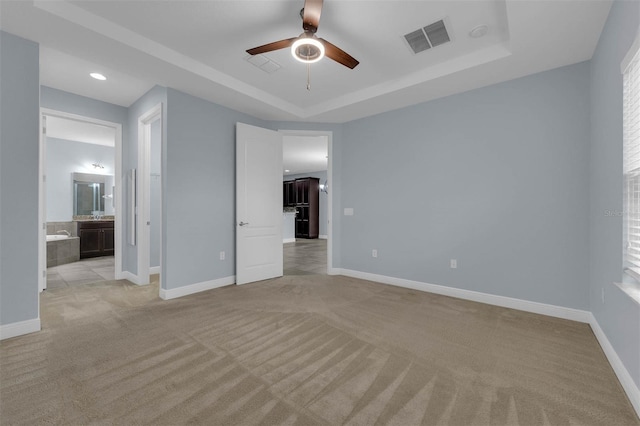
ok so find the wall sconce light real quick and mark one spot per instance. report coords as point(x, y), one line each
point(324, 187)
point(97, 166)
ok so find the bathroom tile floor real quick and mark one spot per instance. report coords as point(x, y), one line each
point(304, 257)
point(85, 271)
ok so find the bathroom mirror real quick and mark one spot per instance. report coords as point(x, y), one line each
point(89, 196)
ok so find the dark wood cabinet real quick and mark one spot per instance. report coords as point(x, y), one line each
point(289, 193)
point(304, 194)
point(96, 238)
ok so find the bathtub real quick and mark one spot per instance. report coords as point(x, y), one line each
point(62, 249)
point(57, 237)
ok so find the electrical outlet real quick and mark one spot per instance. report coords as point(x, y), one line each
point(222, 255)
point(374, 253)
point(454, 263)
point(602, 294)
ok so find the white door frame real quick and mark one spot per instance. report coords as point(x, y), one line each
point(42, 207)
point(42, 214)
point(329, 135)
point(144, 191)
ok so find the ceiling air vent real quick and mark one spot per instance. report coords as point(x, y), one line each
point(264, 63)
point(417, 41)
point(430, 36)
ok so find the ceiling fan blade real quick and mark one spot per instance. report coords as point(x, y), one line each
point(311, 15)
point(334, 52)
point(269, 47)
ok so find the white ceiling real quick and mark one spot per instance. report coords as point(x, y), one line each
point(304, 154)
point(199, 47)
point(70, 73)
point(80, 131)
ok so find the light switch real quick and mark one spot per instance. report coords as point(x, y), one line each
point(348, 211)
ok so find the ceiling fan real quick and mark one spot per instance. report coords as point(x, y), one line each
point(307, 47)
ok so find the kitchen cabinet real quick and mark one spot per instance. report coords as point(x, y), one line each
point(289, 193)
point(307, 207)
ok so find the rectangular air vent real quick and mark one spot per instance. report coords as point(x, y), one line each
point(430, 36)
point(262, 62)
point(436, 33)
point(417, 41)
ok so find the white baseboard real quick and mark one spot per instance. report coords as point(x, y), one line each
point(154, 270)
point(322, 237)
point(629, 386)
point(288, 240)
point(491, 299)
point(15, 329)
point(334, 271)
point(196, 288)
point(133, 278)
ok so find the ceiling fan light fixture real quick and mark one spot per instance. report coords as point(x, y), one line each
point(307, 50)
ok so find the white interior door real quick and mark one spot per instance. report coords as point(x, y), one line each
point(258, 204)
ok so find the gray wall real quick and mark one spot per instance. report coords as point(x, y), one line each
point(19, 147)
point(199, 196)
point(324, 199)
point(64, 158)
point(619, 316)
point(496, 178)
point(75, 104)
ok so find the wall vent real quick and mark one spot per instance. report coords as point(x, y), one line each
point(427, 37)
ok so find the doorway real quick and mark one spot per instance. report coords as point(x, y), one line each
point(307, 157)
point(148, 218)
point(80, 164)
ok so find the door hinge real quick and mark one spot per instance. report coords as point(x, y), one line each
point(44, 226)
point(44, 274)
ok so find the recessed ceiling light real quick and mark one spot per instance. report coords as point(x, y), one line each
point(287, 171)
point(98, 76)
point(478, 31)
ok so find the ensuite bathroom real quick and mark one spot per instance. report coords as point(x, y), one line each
point(80, 210)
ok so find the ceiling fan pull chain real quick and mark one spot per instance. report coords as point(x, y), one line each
point(309, 77)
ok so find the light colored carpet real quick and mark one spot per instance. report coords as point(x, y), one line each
point(302, 350)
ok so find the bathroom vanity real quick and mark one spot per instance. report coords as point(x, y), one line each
point(96, 238)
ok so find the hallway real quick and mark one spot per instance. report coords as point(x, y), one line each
point(305, 257)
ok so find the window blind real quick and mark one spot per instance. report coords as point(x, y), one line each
point(631, 155)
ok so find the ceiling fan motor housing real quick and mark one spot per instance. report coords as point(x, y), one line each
point(308, 48)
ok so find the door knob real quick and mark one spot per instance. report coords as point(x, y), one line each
point(243, 223)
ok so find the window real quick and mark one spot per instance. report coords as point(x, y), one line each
point(631, 155)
